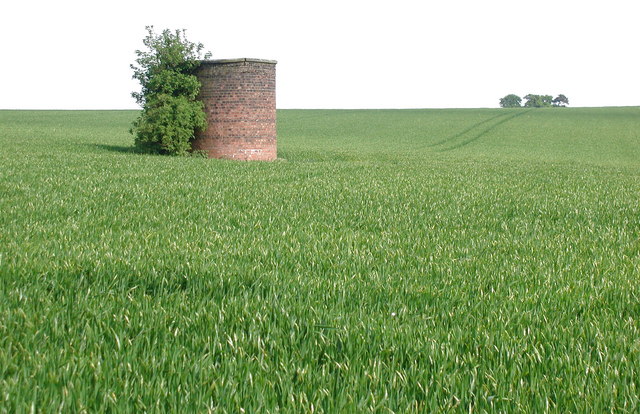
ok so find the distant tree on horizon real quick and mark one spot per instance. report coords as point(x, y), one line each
point(560, 101)
point(510, 101)
point(537, 101)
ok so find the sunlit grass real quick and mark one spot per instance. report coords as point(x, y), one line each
point(414, 260)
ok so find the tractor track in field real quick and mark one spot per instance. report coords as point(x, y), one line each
point(501, 119)
point(464, 131)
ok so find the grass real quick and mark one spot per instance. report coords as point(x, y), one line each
point(395, 261)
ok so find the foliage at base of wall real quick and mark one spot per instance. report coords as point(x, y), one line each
point(171, 113)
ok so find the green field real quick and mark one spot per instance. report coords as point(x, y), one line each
point(483, 260)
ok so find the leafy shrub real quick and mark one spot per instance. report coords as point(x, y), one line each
point(537, 101)
point(560, 101)
point(170, 111)
point(510, 101)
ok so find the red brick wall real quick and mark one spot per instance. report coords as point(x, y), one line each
point(239, 98)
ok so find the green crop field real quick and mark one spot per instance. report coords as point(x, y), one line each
point(482, 260)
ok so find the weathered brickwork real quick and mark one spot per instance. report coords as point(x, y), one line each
point(239, 97)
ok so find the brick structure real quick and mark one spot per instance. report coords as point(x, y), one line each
point(239, 98)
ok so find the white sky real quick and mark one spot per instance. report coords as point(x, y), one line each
point(69, 54)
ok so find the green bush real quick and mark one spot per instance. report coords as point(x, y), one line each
point(170, 111)
point(510, 101)
point(537, 101)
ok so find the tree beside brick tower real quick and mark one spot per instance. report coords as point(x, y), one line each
point(171, 112)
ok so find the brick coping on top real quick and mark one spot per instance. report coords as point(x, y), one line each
point(239, 60)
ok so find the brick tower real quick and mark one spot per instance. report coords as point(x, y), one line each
point(239, 98)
